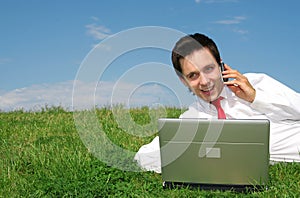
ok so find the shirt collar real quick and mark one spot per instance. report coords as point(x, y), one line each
point(226, 93)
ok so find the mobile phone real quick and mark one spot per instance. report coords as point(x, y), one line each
point(223, 69)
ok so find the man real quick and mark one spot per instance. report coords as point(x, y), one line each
point(197, 62)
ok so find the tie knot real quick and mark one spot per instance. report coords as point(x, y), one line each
point(217, 102)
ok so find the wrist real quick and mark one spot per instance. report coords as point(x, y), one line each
point(253, 95)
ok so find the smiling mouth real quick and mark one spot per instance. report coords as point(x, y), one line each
point(207, 89)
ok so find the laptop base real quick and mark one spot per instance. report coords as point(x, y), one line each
point(221, 187)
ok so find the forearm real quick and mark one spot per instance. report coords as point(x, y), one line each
point(278, 106)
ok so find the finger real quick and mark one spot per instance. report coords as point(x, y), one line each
point(234, 74)
point(229, 70)
point(231, 74)
point(234, 88)
point(233, 82)
point(227, 67)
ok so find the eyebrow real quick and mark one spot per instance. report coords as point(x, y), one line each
point(209, 65)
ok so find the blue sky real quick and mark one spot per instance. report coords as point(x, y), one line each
point(43, 43)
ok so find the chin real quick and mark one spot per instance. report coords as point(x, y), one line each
point(207, 98)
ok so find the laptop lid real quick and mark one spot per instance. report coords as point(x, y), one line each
point(214, 154)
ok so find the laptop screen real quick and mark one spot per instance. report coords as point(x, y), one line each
point(214, 152)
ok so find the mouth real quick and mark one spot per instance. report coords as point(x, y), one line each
point(207, 91)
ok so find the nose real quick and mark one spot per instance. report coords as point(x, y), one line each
point(203, 80)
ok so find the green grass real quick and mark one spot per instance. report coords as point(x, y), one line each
point(42, 155)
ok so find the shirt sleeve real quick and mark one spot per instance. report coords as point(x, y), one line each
point(274, 99)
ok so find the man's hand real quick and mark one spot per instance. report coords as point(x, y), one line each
point(239, 85)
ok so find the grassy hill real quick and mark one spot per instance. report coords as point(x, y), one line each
point(43, 155)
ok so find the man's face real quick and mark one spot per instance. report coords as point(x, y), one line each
point(201, 73)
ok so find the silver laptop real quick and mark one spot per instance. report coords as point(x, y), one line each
point(214, 154)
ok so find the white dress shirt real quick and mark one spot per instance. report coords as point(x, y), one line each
point(273, 101)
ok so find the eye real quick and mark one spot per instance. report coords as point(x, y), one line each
point(209, 69)
point(193, 76)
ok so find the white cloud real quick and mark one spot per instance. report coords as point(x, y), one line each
point(37, 96)
point(241, 31)
point(98, 32)
point(234, 20)
point(94, 18)
point(88, 95)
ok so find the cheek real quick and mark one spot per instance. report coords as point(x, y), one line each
point(216, 78)
point(194, 84)
point(216, 74)
point(219, 84)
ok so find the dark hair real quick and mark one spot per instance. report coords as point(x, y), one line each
point(190, 43)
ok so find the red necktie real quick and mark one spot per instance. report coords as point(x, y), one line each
point(217, 104)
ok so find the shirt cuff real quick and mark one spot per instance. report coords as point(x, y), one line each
point(260, 101)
